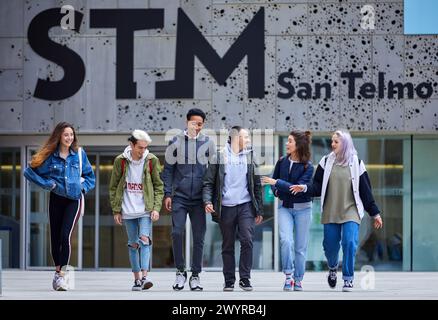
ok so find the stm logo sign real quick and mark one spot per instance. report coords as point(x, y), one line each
point(190, 44)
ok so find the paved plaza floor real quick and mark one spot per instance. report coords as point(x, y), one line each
point(116, 285)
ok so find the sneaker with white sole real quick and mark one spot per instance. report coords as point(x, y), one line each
point(195, 283)
point(146, 283)
point(180, 281)
point(288, 284)
point(229, 286)
point(137, 285)
point(59, 283)
point(245, 284)
point(332, 278)
point(298, 286)
point(348, 286)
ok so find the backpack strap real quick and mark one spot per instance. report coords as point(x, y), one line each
point(124, 161)
point(123, 165)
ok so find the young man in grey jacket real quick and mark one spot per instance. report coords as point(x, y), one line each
point(232, 193)
point(186, 161)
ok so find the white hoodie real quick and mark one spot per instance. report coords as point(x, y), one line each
point(133, 205)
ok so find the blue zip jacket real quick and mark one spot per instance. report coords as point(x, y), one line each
point(185, 165)
point(62, 176)
point(301, 173)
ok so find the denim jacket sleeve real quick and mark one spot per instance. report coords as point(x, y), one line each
point(40, 176)
point(87, 173)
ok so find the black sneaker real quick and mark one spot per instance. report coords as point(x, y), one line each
point(245, 284)
point(348, 286)
point(137, 285)
point(229, 286)
point(331, 278)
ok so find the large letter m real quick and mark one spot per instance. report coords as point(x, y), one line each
point(190, 43)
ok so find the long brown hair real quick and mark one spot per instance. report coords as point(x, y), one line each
point(52, 143)
point(303, 139)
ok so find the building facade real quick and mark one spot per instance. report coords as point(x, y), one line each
point(325, 65)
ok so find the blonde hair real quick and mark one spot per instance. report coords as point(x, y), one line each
point(139, 135)
point(347, 147)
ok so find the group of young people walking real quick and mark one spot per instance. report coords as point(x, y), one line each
point(198, 180)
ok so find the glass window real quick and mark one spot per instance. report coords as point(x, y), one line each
point(88, 222)
point(10, 173)
point(425, 202)
point(113, 250)
point(162, 253)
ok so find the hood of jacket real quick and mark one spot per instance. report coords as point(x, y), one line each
point(127, 154)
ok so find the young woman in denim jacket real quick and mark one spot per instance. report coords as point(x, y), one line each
point(56, 167)
point(295, 210)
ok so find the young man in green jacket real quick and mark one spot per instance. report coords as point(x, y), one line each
point(136, 194)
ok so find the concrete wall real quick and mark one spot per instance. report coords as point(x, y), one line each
point(315, 39)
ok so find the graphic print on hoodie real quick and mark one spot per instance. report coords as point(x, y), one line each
point(133, 205)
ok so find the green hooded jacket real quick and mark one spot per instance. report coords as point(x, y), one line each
point(152, 185)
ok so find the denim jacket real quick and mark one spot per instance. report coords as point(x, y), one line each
point(61, 176)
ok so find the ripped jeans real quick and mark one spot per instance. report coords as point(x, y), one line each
point(139, 250)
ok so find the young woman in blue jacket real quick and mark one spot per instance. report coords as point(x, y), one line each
point(295, 210)
point(56, 167)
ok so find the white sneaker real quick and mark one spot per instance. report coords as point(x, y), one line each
point(146, 283)
point(59, 283)
point(180, 281)
point(195, 283)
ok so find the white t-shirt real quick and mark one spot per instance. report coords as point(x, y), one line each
point(133, 205)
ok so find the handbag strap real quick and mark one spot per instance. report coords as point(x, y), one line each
point(80, 161)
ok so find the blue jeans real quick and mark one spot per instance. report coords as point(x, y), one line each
point(139, 255)
point(348, 234)
point(294, 228)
